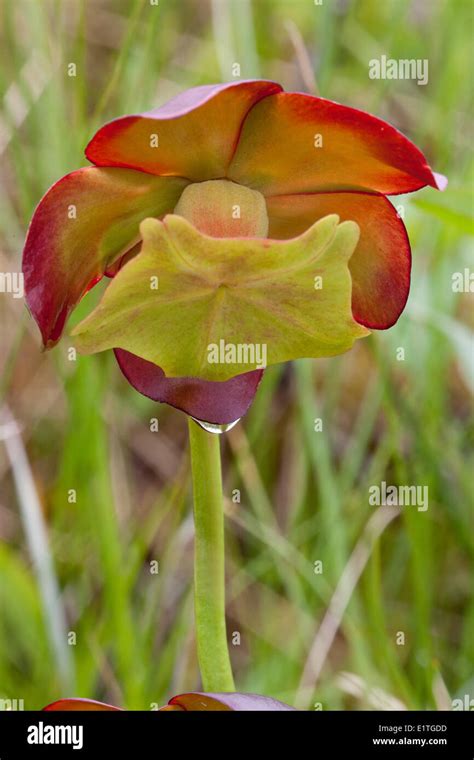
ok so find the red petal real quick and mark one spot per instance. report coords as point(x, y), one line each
point(197, 132)
point(217, 402)
point(65, 255)
point(278, 154)
point(381, 264)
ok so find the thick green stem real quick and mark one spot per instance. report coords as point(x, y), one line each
point(209, 561)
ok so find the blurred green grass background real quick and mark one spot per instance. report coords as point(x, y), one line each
point(304, 494)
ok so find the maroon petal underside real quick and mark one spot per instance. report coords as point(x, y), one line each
point(189, 702)
point(200, 701)
point(217, 402)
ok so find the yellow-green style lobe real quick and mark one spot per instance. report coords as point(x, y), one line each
point(214, 308)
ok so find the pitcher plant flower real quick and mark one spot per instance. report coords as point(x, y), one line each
point(245, 161)
point(240, 226)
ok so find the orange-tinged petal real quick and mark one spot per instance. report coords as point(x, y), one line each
point(85, 222)
point(381, 263)
point(193, 135)
point(80, 705)
point(294, 143)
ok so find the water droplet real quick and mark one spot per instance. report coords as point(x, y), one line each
point(211, 427)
